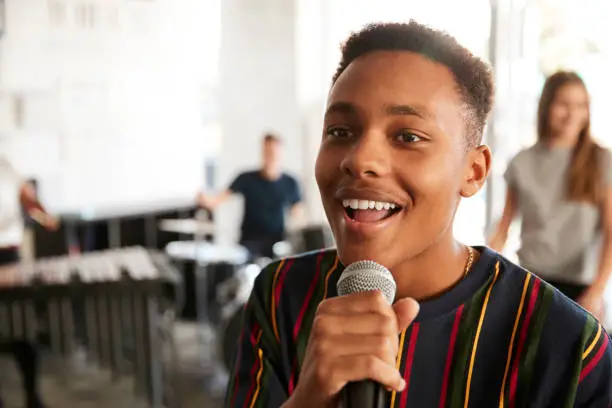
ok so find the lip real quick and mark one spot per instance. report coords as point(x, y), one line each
point(367, 193)
point(367, 228)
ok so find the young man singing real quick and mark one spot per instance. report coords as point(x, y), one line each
point(400, 148)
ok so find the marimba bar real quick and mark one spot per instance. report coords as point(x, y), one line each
point(110, 302)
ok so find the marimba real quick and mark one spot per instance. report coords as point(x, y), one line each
point(116, 303)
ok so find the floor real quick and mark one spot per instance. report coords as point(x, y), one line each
point(76, 384)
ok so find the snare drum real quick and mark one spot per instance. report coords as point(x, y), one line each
point(205, 267)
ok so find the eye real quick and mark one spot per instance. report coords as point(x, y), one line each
point(338, 132)
point(406, 136)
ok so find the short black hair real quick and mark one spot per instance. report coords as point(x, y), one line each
point(473, 76)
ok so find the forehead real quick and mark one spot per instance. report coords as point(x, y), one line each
point(386, 78)
point(572, 91)
point(271, 144)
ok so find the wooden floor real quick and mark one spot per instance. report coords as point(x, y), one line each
point(76, 384)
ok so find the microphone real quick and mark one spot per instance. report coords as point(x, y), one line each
point(364, 276)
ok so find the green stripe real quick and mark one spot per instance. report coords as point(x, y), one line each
point(259, 310)
point(265, 278)
point(329, 258)
point(261, 307)
point(255, 311)
point(517, 338)
point(587, 333)
point(264, 389)
point(590, 331)
point(527, 365)
point(464, 344)
point(268, 340)
point(594, 330)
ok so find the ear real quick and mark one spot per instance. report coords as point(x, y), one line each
point(477, 167)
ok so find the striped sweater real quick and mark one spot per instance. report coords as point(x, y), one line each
point(500, 338)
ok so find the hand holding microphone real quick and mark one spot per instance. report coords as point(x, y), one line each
point(354, 338)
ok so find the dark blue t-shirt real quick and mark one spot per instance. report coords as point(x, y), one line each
point(501, 337)
point(265, 202)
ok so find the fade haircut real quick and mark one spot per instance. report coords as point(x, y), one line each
point(473, 76)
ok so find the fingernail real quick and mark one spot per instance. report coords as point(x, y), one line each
point(402, 385)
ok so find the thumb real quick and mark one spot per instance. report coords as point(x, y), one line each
point(406, 310)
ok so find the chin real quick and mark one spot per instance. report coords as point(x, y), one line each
point(353, 252)
point(353, 247)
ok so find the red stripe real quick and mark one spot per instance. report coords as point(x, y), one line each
point(449, 355)
point(311, 289)
point(292, 378)
point(409, 357)
point(521, 343)
point(589, 367)
point(298, 322)
point(253, 334)
point(237, 369)
point(249, 397)
point(253, 374)
point(281, 280)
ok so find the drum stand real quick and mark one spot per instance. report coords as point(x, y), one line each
point(215, 380)
point(206, 335)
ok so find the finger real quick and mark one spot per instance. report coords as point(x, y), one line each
point(406, 311)
point(355, 324)
point(383, 347)
point(360, 302)
point(364, 367)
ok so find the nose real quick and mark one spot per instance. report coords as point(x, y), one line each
point(369, 156)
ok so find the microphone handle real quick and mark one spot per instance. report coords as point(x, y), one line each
point(363, 394)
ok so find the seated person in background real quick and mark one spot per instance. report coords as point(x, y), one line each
point(15, 195)
point(401, 146)
point(268, 193)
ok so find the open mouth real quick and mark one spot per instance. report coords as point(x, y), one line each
point(368, 210)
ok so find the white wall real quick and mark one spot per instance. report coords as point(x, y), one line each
point(111, 91)
point(101, 100)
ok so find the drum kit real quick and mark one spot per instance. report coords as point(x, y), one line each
point(234, 292)
point(230, 294)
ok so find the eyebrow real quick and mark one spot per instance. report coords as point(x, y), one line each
point(341, 107)
point(413, 110)
point(348, 108)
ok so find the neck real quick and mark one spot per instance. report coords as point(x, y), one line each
point(271, 172)
point(562, 140)
point(434, 271)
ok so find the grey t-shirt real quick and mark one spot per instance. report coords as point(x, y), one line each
point(558, 236)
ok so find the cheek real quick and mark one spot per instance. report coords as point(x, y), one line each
point(557, 116)
point(324, 169)
point(434, 177)
point(583, 116)
point(436, 193)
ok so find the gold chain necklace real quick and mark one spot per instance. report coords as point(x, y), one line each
point(469, 262)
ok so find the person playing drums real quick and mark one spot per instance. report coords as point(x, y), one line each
point(268, 192)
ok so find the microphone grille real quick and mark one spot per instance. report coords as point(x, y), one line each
point(362, 276)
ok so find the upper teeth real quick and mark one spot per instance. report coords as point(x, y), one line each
point(367, 204)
